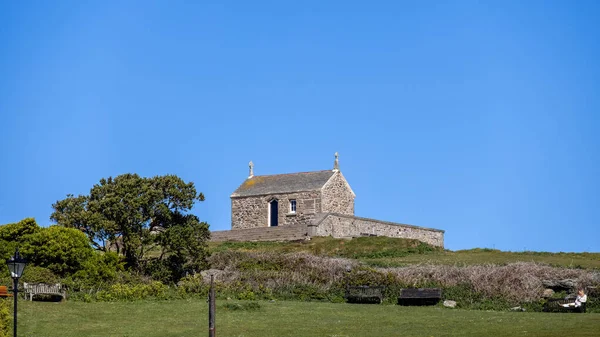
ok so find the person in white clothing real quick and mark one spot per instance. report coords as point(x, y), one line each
point(581, 298)
point(579, 304)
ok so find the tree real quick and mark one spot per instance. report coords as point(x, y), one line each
point(134, 214)
point(14, 235)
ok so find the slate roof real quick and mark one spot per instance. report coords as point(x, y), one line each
point(283, 183)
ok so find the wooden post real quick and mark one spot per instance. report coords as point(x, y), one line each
point(211, 309)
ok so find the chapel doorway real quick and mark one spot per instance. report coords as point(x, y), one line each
point(273, 213)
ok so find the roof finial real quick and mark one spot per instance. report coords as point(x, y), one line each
point(336, 164)
point(251, 165)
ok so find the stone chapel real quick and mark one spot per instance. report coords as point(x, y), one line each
point(300, 205)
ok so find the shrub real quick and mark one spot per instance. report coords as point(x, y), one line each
point(192, 285)
point(128, 292)
point(101, 268)
point(35, 274)
point(5, 318)
point(18, 232)
point(62, 250)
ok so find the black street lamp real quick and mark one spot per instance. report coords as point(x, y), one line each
point(16, 264)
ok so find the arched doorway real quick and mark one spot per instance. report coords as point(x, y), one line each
point(273, 213)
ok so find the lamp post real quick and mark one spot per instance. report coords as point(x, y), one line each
point(16, 264)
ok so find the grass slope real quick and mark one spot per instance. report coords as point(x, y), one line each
point(391, 252)
point(189, 318)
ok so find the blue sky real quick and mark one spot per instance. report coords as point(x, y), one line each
point(478, 118)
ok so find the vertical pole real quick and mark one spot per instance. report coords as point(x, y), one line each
point(211, 309)
point(15, 294)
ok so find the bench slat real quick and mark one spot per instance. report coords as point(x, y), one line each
point(420, 296)
point(364, 294)
point(33, 289)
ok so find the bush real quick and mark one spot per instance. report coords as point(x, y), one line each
point(62, 250)
point(35, 274)
point(100, 269)
point(18, 232)
point(5, 318)
point(126, 292)
point(192, 285)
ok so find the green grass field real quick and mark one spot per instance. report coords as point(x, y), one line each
point(189, 318)
point(390, 252)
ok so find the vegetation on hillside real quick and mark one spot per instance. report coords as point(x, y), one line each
point(394, 252)
point(304, 276)
point(133, 238)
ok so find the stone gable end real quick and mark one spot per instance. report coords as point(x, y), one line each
point(338, 197)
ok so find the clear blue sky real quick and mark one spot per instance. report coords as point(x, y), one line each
point(481, 119)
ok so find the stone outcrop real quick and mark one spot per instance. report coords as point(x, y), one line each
point(548, 293)
point(450, 304)
point(560, 285)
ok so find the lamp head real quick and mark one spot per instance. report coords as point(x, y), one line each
point(16, 265)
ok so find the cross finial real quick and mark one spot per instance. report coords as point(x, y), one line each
point(251, 165)
point(336, 164)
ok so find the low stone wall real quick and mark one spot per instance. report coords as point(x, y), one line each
point(341, 225)
point(280, 233)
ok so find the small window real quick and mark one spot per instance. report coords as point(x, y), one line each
point(292, 206)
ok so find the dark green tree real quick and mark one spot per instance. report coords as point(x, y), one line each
point(135, 215)
point(14, 235)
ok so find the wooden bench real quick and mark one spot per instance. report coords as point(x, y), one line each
point(364, 294)
point(4, 292)
point(420, 296)
point(32, 289)
point(557, 305)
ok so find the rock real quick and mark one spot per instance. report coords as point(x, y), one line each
point(517, 309)
point(449, 304)
point(218, 274)
point(560, 285)
point(548, 293)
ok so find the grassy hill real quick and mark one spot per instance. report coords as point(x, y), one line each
point(392, 252)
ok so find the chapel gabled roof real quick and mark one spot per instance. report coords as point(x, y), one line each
point(283, 183)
